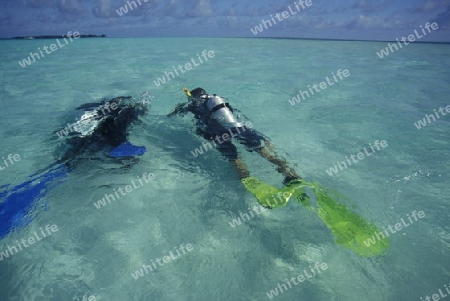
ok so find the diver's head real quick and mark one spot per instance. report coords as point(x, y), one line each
point(198, 93)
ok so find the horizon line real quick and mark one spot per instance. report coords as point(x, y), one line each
point(212, 37)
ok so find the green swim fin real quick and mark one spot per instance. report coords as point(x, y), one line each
point(349, 229)
point(267, 195)
point(298, 193)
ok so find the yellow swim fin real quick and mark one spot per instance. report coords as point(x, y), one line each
point(349, 229)
point(267, 195)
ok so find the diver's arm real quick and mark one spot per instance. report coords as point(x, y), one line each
point(180, 109)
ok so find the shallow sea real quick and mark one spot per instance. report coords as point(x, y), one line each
point(193, 199)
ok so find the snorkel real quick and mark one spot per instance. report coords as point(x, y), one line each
point(188, 94)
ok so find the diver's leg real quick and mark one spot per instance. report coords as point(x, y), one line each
point(268, 153)
point(291, 178)
point(241, 168)
point(267, 195)
point(255, 141)
point(229, 151)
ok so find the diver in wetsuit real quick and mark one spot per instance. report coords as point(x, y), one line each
point(103, 127)
point(101, 132)
point(215, 119)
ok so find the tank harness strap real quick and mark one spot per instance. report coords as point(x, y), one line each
point(220, 106)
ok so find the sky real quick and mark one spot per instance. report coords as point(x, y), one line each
point(322, 19)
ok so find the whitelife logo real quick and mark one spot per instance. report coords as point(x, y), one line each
point(423, 122)
point(436, 297)
point(398, 226)
point(411, 38)
point(199, 150)
point(10, 158)
point(124, 190)
point(162, 80)
point(280, 17)
point(88, 298)
point(53, 48)
point(124, 9)
point(237, 222)
point(161, 261)
point(87, 118)
point(322, 86)
point(300, 278)
point(334, 170)
point(31, 240)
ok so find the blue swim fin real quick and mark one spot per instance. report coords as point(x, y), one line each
point(127, 150)
point(17, 203)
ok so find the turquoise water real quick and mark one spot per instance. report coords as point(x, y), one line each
point(193, 199)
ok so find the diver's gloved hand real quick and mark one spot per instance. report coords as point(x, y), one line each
point(267, 195)
point(180, 108)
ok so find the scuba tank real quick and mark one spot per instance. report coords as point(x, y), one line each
point(221, 112)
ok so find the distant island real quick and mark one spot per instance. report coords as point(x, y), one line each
point(57, 36)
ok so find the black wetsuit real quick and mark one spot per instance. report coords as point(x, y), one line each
point(213, 131)
point(112, 118)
